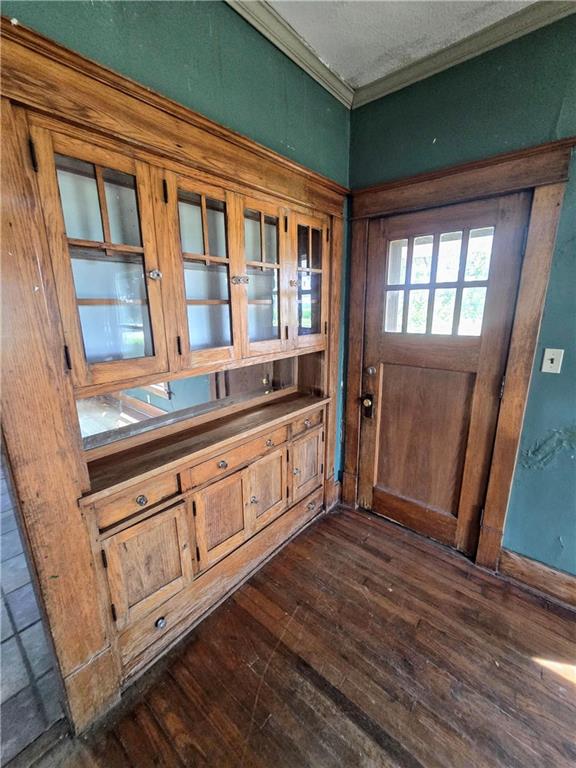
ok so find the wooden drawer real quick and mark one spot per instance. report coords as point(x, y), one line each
point(304, 423)
point(141, 496)
point(236, 457)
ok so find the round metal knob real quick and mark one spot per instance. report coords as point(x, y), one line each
point(141, 500)
point(366, 402)
point(253, 500)
point(222, 464)
point(370, 370)
point(295, 471)
point(311, 505)
point(269, 443)
point(293, 283)
point(155, 274)
point(161, 623)
point(307, 423)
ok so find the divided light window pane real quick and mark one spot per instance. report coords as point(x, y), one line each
point(443, 312)
point(271, 239)
point(252, 240)
point(422, 259)
point(190, 213)
point(206, 281)
point(216, 217)
point(397, 255)
point(417, 311)
point(309, 307)
point(472, 311)
point(316, 262)
point(263, 315)
point(209, 326)
point(303, 246)
point(449, 257)
point(394, 311)
point(112, 304)
point(479, 253)
point(120, 191)
point(79, 197)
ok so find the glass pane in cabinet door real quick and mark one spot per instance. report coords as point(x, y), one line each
point(316, 260)
point(79, 198)
point(209, 326)
point(271, 239)
point(309, 303)
point(303, 245)
point(112, 304)
point(216, 217)
point(206, 281)
point(122, 205)
point(191, 233)
point(263, 304)
point(252, 240)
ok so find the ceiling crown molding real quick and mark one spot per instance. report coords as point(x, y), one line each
point(262, 16)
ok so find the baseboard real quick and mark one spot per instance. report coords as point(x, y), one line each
point(332, 493)
point(553, 584)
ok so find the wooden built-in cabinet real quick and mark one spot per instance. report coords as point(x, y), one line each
point(174, 293)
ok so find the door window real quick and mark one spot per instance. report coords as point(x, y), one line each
point(436, 283)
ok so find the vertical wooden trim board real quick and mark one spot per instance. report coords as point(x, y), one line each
point(43, 442)
point(545, 213)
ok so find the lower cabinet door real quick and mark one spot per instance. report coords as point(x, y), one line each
point(220, 525)
point(306, 464)
point(148, 563)
point(266, 490)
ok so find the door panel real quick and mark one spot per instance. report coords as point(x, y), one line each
point(306, 464)
point(149, 563)
point(98, 212)
point(220, 526)
point(441, 290)
point(266, 490)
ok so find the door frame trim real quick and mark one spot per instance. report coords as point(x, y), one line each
point(543, 169)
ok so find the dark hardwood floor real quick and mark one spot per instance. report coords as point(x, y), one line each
point(360, 644)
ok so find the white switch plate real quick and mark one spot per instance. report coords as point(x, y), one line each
point(552, 361)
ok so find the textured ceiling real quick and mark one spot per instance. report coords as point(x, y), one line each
point(364, 41)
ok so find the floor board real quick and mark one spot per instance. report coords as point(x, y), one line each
point(360, 644)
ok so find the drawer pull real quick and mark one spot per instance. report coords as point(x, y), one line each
point(253, 500)
point(269, 443)
point(222, 464)
point(311, 505)
point(295, 471)
point(161, 623)
point(307, 423)
point(141, 500)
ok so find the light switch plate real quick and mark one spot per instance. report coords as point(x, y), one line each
point(552, 360)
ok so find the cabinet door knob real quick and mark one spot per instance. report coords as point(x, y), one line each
point(269, 443)
point(141, 500)
point(155, 274)
point(293, 283)
point(307, 423)
point(239, 279)
point(311, 505)
point(222, 464)
point(253, 500)
point(295, 471)
point(161, 623)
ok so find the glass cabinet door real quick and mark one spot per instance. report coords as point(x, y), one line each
point(265, 301)
point(207, 327)
point(309, 242)
point(108, 278)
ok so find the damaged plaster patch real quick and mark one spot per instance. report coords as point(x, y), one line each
point(544, 451)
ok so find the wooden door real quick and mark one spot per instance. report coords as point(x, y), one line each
point(265, 296)
point(196, 225)
point(148, 563)
point(309, 280)
point(306, 464)
point(108, 270)
point(219, 516)
point(441, 291)
point(266, 490)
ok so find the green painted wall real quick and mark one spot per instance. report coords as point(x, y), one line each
point(205, 56)
point(516, 96)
